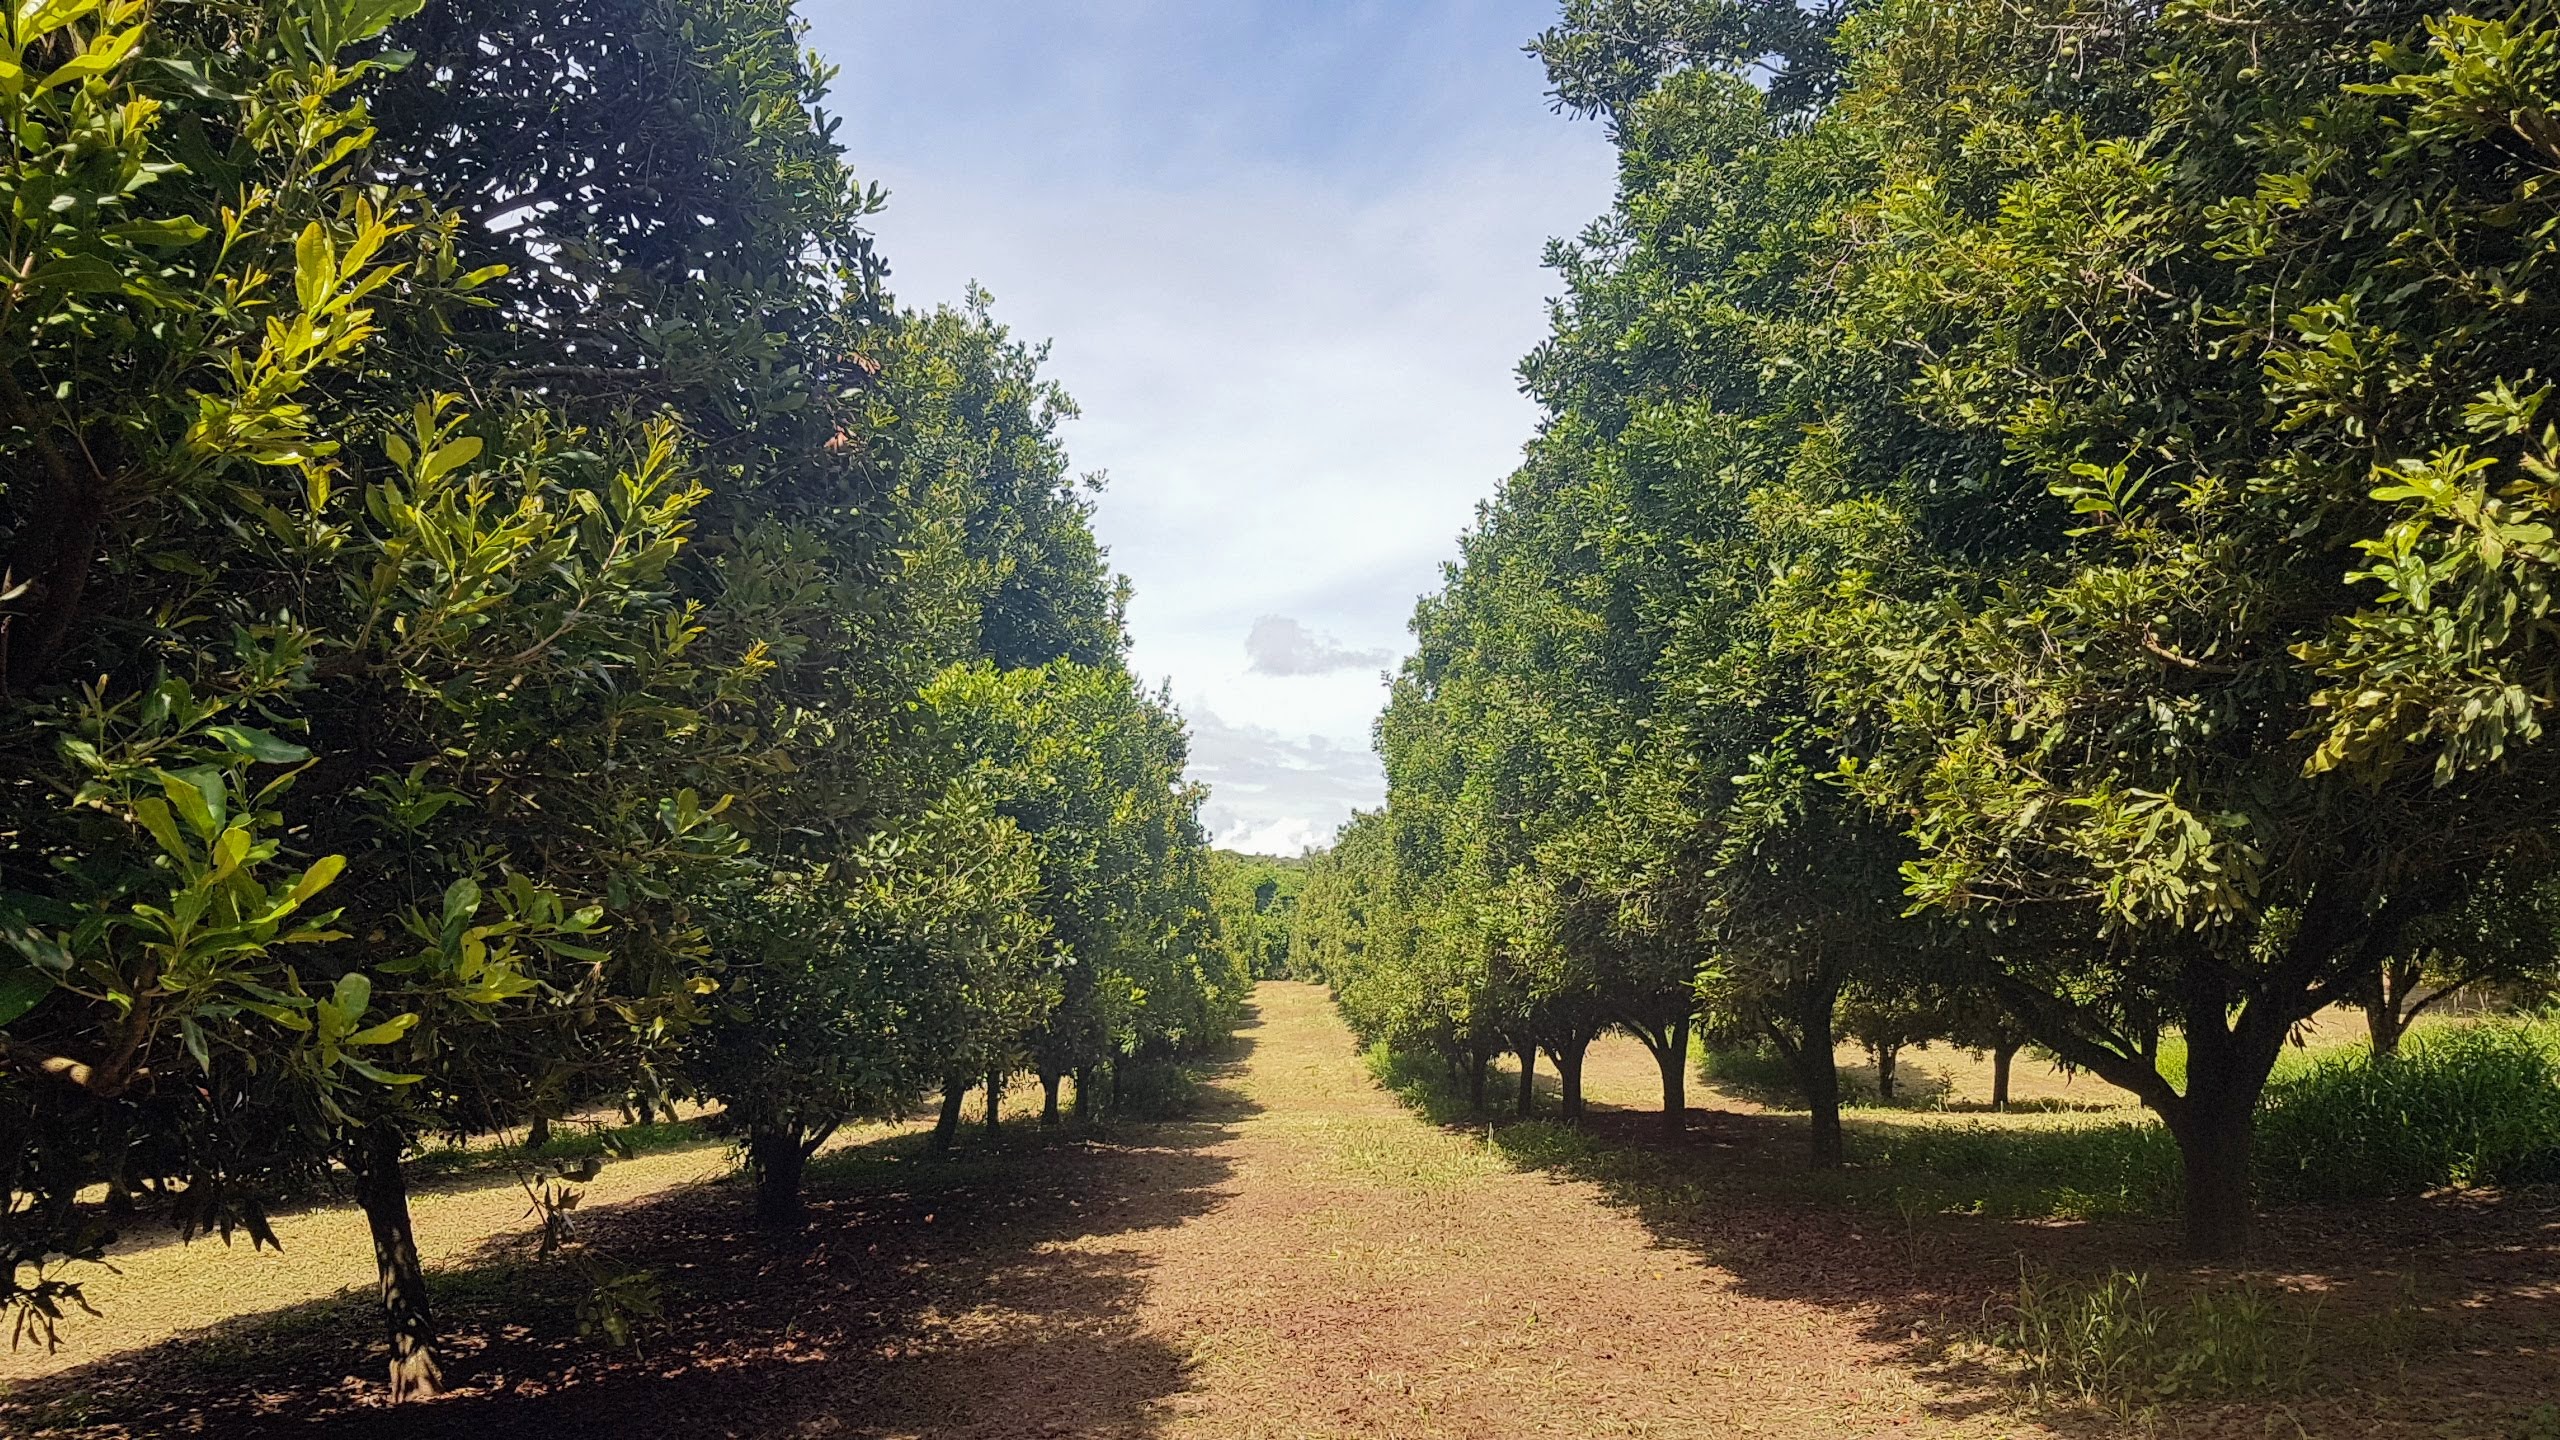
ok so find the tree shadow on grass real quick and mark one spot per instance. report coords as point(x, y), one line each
point(2423, 1317)
point(989, 1293)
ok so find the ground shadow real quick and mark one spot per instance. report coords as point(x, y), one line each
point(2427, 1316)
point(975, 1295)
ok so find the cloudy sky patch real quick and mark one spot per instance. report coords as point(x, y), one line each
point(1278, 645)
point(1288, 254)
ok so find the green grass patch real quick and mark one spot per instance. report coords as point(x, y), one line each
point(2065, 1171)
point(568, 1144)
point(2120, 1343)
point(2470, 1105)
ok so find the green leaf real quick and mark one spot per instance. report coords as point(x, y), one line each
point(353, 994)
point(450, 456)
point(76, 275)
point(378, 1075)
point(22, 988)
point(154, 817)
point(316, 878)
point(258, 744)
point(384, 1033)
point(173, 231)
point(197, 794)
point(461, 900)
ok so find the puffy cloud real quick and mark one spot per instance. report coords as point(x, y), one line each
point(1278, 645)
point(1275, 794)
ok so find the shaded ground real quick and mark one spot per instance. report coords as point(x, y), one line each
point(1308, 1257)
point(2435, 1316)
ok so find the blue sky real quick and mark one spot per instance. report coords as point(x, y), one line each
point(1287, 255)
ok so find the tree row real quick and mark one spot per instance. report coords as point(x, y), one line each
point(2042, 526)
point(504, 614)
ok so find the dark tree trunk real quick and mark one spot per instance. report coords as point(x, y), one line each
point(2387, 1010)
point(1084, 1095)
point(1568, 1053)
point(1887, 1056)
point(777, 1160)
point(995, 1100)
point(1810, 1053)
point(946, 1126)
point(1049, 1098)
point(537, 1132)
point(1673, 1058)
point(2001, 1057)
point(1528, 1081)
point(1821, 1077)
point(383, 1192)
point(2212, 1124)
point(57, 546)
point(1479, 1077)
point(642, 1111)
point(2383, 1024)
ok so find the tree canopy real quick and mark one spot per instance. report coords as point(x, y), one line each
point(2041, 500)
point(504, 610)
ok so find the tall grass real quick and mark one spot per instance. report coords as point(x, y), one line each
point(2068, 1171)
point(2117, 1344)
point(2460, 1105)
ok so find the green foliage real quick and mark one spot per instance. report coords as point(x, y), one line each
point(2460, 1105)
point(2117, 1344)
point(388, 766)
point(2041, 500)
point(1256, 898)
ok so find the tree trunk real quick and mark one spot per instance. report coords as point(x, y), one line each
point(537, 1132)
point(2382, 1022)
point(995, 1100)
point(1811, 1055)
point(1528, 1080)
point(1049, 1099)
point(1568, 1057)
point(1479, 1076)
point(1821, 1078)
point(383, 1192)
point(57, 546)
point(946, 1126)
point(2212, 1125)
point(2001, 1056)
point(1674, 1060)
point(1084, 1094)
point(777, 1160)
point(1886, 1058)
point(2386, 1006)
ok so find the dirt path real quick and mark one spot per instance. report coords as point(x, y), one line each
point(1306, 1257)
point(1367, 1274)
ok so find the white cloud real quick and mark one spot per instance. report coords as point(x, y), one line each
point(1288, 259)
point(1274, 794)
point(1278, 645)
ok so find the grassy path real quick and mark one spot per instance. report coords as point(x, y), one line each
point(1369, 1274)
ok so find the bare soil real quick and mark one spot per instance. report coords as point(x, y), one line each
point(1303, 1257)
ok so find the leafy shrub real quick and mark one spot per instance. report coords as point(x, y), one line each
point(1153, 1088)
point(2468, 1105)
point(2115, 1344)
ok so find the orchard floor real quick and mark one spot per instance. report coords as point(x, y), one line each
point(1303, 1256)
